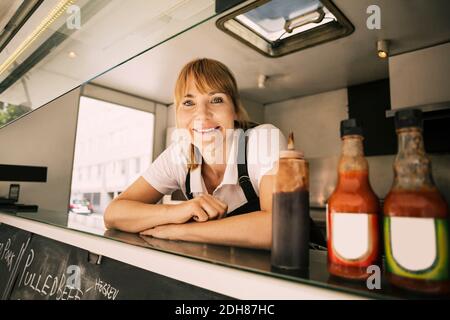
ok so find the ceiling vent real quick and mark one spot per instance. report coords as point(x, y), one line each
point(278, 27)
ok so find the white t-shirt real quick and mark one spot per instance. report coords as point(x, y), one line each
point(168, 172)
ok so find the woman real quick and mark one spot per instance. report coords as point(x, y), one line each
point(226, 175)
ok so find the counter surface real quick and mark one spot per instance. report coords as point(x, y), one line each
point(236, 272)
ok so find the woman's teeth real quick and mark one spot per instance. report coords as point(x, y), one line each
point(206, 130)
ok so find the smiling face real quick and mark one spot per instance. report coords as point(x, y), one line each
point(208, 116)
point(207, 105)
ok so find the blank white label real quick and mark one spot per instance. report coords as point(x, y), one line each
point(413, 242)
point(350, 234)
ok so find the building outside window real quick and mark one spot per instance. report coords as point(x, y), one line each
point(111, 139)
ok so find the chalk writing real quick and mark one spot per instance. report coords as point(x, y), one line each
point(57, 286)
point(7, 255)
point(106, 289)
point(11, 261)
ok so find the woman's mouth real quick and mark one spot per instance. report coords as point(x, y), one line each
point(206, 130)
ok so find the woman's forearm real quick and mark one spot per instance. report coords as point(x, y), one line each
point(135, 216)
point(251, 230)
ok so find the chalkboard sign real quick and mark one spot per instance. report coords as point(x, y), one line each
point(13, 246)
point(42, 271)
point(51, 270)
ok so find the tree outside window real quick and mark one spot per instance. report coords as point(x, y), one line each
point(10, 112)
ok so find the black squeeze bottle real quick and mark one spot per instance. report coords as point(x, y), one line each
point(290, 212)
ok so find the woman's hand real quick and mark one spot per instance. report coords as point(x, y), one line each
point(168, 232)
point(201, 209)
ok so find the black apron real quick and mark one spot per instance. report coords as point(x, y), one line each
point(252, 204)
point(243, 178)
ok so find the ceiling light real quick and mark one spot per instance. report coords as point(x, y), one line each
point(72, 55)
point(59, 9)
point(383, 49)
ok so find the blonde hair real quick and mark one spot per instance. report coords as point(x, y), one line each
point(210, 74)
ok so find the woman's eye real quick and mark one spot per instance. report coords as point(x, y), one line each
point(188, 103)
point(217, 100)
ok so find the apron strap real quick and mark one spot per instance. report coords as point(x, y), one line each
point(188, 185)
point(243, 177)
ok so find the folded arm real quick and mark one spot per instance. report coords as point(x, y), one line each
point(253, 230)
point(135, 209)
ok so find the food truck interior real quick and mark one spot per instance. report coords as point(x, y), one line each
point(86, 91)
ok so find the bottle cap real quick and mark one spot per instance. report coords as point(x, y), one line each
point(408, 118)
point(350, 127)
point(291, 152)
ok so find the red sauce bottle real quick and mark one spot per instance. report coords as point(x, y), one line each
point(352, 211)
point(415, 216)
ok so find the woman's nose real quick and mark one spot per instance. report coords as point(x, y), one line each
point(203, 110)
